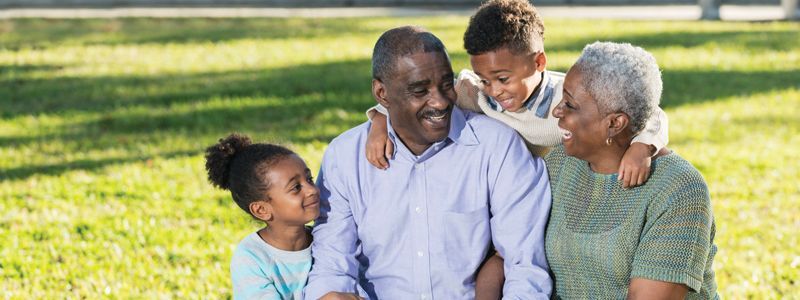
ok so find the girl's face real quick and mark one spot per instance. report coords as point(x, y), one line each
point(507, 77)
point(293, 196)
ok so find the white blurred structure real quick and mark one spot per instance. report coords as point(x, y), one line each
point(710, 9)
point(616, 9)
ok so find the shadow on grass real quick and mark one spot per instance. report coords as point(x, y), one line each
point(301, 104)
point(752, 41)
point(336, 85)
point(692, 87)
point(84, 164)
point(44, 33)
point(12, 72)
point(109, 93)
point(299, 110)
point(304, 103)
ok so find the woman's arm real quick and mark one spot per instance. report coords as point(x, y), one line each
point(641, 288)
point(490, 279)
point(676, 246)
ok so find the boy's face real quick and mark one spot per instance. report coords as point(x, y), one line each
point(507, 77)
point(294, 198)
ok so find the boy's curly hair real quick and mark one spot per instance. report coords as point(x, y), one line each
point(505, 23)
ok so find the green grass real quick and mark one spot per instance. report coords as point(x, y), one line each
point(103, 122)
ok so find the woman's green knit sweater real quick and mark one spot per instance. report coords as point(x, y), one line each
point(601, 235)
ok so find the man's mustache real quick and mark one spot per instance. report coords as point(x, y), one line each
point(435, 112)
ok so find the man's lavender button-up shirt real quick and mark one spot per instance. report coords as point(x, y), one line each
point(420, 229)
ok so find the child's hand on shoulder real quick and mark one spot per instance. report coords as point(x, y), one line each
point(634, 170)
point(379, 147)
point(467, 87)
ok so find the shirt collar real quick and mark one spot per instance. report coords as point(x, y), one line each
point(460, 133)
point(535, 97)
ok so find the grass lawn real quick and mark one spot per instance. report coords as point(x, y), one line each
point(103, 123)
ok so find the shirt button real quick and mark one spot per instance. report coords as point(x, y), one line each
point(418, 209)
point(423, 297)
point(419, 253)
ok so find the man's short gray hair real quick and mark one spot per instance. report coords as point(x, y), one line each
point(398, 42)
point(622, 78)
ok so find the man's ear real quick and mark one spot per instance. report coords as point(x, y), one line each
point(617, 123)
point(261, 209)
point(541, 61)
point(379, 92)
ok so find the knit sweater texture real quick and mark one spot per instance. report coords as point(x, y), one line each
point(600, 235)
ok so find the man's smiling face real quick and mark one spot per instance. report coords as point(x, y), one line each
point(420, 96)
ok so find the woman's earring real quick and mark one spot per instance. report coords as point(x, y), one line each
point(608, 141)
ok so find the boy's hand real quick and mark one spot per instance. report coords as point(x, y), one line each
point(340, 296)
point(635, 167)
point(379, 146)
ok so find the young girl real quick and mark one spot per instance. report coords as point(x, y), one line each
point(273, 185)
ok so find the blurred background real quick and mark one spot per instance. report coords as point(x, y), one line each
point(106, 107)
point(339, 3)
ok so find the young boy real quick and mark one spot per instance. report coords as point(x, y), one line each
point(511, 84)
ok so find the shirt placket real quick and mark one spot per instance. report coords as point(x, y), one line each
point(419, 220)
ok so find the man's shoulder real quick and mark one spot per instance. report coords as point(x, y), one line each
point(350, 138)
point(485, 126)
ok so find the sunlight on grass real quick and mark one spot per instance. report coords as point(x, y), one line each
point(103, 124)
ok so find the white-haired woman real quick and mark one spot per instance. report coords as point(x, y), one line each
point(655, 241)
point(603, 241)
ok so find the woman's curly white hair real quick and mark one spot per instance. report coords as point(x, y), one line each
point(622, 78)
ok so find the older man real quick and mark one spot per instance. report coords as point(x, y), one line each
point(459, 182)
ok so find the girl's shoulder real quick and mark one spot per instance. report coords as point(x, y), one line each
point(251, 252)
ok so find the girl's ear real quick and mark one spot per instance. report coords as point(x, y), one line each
point(262, 210)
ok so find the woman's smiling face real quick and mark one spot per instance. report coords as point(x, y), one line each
point(579, 118)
